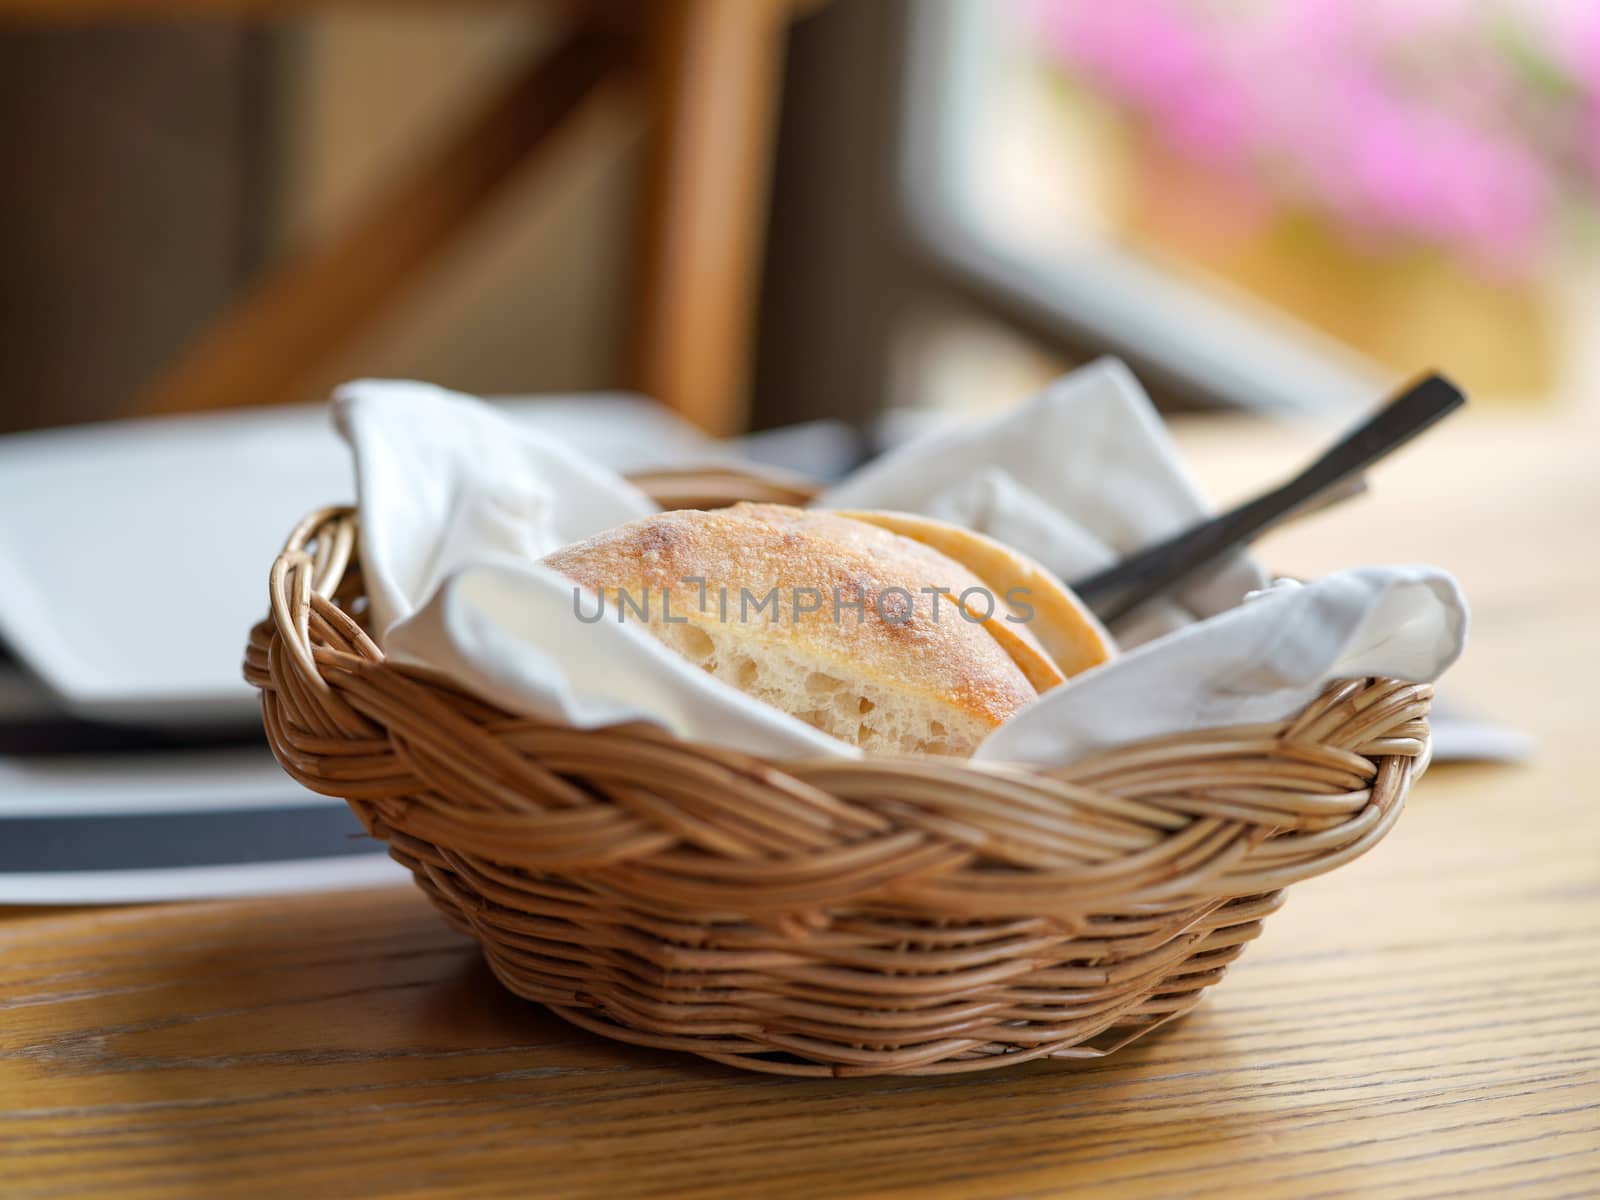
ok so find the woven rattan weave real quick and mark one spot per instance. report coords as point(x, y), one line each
point(910, 916)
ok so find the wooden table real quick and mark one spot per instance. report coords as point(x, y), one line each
point(1425, 1022)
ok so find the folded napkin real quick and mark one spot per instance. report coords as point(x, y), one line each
point(1263, 660)
point(1078, 477)
point(457, 504)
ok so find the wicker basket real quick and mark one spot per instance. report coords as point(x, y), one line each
point(888, 916)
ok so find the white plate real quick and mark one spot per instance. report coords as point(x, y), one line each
point(111, 784)
point(202, 883)
point(134, 555)
point(143, 827)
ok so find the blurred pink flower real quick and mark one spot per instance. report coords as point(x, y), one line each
point(1461, 123)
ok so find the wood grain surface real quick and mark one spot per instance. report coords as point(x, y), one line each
point(1422, 1023)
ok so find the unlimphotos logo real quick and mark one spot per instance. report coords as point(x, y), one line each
point(891, 605)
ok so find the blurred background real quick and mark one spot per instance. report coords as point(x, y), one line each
point(770, 211)
point(841, 220)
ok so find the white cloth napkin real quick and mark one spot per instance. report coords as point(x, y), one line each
point(1261, 661)
point(1078, 477)
point(456, 504)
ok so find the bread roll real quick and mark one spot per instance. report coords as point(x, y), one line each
point(777, 617)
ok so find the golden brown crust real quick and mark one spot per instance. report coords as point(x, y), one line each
point(1060, 622)
point(896, 641)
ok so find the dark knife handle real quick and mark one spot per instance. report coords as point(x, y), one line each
point(1124, 586)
